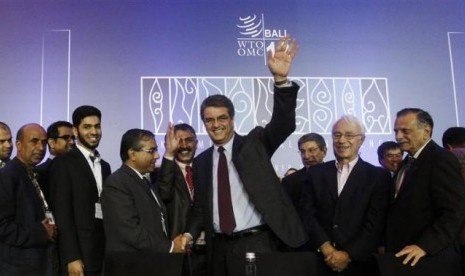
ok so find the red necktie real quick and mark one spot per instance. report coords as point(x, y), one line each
point(225, 209)
point(190, 181)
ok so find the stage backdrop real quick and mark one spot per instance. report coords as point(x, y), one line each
point(147, 63)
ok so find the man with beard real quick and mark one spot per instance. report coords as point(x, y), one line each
point(76, 182)
point(176, 187)
point(26, 232)
point(6, 144)
point(60, 140)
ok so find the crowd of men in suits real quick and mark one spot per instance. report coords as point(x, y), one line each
point(63, 216)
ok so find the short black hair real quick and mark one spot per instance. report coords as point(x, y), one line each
point(423, 117)
point(52, 130)
point(4, 126)
point(384, 147)
point(131, 140)
point(315, 137)
point(185, 127)
point(454, 136)
point(85, 111)
point(217, 100)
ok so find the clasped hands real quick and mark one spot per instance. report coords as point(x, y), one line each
point(337, 260)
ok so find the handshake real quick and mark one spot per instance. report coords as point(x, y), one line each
point(182, 243)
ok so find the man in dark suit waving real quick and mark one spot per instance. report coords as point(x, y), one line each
point(239, 200)
point(427, 209)
point(76, 182)
point(343, 205)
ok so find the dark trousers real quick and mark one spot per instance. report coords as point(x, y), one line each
point(222, 247)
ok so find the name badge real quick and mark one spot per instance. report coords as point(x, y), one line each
point(98, 210)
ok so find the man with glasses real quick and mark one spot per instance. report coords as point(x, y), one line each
point(60, 140)
point(135, 215)
point(75, 184)
point(343, 205)
point(312, 150)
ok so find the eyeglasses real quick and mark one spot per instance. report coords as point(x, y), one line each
point(348, 136)
point(150, 151)
point(66, 137)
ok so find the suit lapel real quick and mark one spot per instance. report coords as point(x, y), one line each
point(181, 181)
point(83, 165)
point(331, 177)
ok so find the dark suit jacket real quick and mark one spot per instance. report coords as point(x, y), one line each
point(252, 158)
point(354, 220)
point(23, 238)
point(174, 192)
point(74, 194)
point(293, 184)
point(429, 210)
point(132, 217)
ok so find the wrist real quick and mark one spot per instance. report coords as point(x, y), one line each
point(281, 82)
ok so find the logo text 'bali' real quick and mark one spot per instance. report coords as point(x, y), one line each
point(254, 37)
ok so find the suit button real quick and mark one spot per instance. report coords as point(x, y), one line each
point(335, 226)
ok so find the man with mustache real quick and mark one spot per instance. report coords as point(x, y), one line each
point(312, 149)
point(6, 144)
point(26, 225)
point(76, 183)
point(176, 187)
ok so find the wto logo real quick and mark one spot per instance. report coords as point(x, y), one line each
point(254, 37)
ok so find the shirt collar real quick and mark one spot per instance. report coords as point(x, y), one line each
point(228, 146)
point(420, 150)
point(350, 165)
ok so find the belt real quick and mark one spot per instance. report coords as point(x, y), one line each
point(243, 233)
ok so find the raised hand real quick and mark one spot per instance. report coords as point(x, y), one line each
point(280, 63)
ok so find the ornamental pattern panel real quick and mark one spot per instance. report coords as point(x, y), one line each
point(319, 103)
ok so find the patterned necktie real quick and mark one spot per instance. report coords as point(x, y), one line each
point(190, 181)
point(33, 177)
point(162, 209)
point(225, 209)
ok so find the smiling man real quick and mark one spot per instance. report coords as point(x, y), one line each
point(427, 208)
point(343, 205)
point(135, 216)
point(312, 150)
point(239, 200)
point(6, 144)
point(76, 183)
